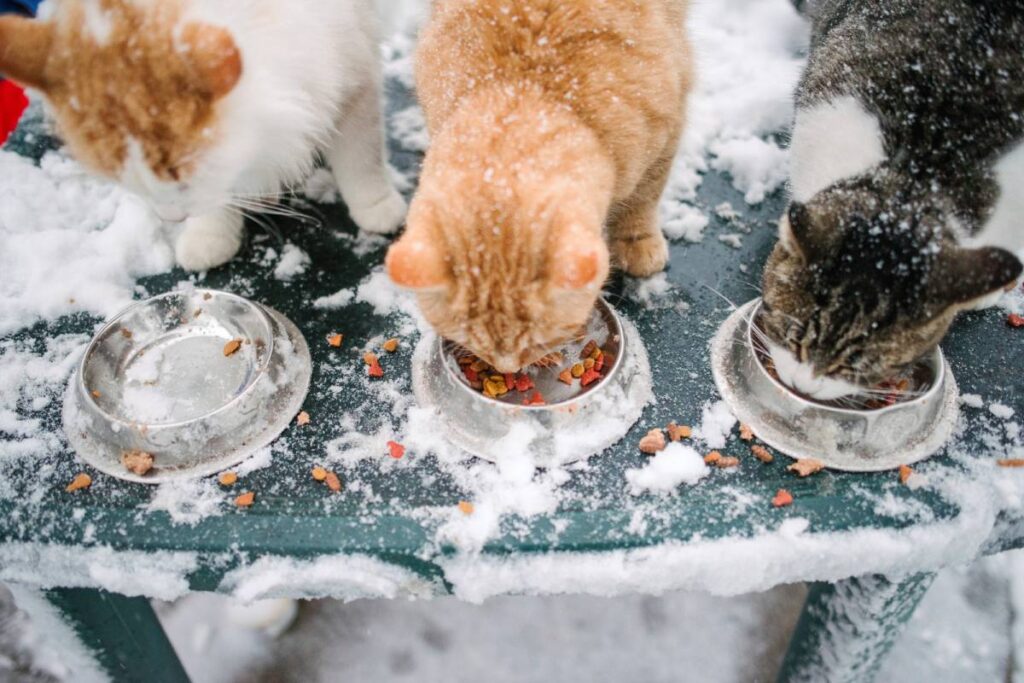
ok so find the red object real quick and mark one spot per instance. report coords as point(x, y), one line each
point(590, 376)
point(396, 450)
point(376, 370)
point(524, 383)
point(536, 400)
point(782, 498)
point(1014, 320)
point(12, 104)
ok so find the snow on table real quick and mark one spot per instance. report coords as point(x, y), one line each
point(76, 250)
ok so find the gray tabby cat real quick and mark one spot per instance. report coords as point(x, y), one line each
point(907, 184)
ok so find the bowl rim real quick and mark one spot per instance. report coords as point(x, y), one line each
point(607, 310)
point(936, 359)
point(132, 424)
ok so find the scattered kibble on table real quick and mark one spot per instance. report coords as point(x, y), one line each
point(465, 507)
point(712, 457)
point(391, 345)
point(653, 442)
point(332, 481)
point(762, 453)
point(805, 467)
point(782, 498)
point(246, 499)
point(1010, 462)
point(81, 481)
point(319, 473)
point(302, 418)
point(905, 473)
point(396, 450)
point(335, 339)
point(227, 478)
point(1014, 320)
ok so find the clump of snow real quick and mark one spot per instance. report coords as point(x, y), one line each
point(342, 577)
point(649, 291)
point(717, 422)
point(758, 167)
point(734, 240)
point(340, 299)
point(677, 464)
point(682, 221)
point(1000, 410)
point(188, 501)
point(972, 400)
point(56, 213)
point(294, 262)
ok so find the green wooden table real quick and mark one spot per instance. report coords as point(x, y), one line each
point(870, 545)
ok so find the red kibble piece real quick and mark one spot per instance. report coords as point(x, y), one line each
point(376, 370)
point(565, 377)
point(471, 374)
point(536, 400)
point(524, 383)
point(590, 376)
point(396, 450)
point(782, 498)
point(510, 380)
point(599, 363)
point(1014, 320)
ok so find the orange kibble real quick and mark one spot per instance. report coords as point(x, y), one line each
point(905, 473)
point(391, 345)
point(375, 370)
point(319, 473)
point(588, 363)
point(370, 358)
point(746, 433)
point(396, 450)
point(335, 339)
point(782, 498)
point(727, 461)
point(465, 507)
point(1010, 462)
point(246, 499)
point(678, 432)
point(95, 394)
point(589, 377)
point(762, 453)
point(712, 457)
point(81, 481)
point(227, 478)
point(805, 467)
point(302, 418)
point(565, 376)
point(577, 370)
point(332, 481)
point(232, 346)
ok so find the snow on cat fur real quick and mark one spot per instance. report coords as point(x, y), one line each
point(219, 103)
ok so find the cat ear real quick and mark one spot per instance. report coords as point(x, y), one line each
point(24, 44)
point(213, 55)
point(965, 275)
point(416, 260)
point(795, 230)
point(579, 261)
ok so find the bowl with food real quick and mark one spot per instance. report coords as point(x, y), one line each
point(576, 402)
point(896, 422)
point(185, 384)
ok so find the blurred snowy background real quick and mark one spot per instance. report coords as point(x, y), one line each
point(969, 628)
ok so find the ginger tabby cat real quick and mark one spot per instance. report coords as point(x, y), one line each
point(553, 128)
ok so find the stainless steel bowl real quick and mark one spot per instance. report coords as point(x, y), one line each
point(156, 379)
point(575, 423)
point(842, 438)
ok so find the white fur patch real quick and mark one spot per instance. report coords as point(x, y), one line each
point(1005, 228)
point(831, 142)
point(801, 377)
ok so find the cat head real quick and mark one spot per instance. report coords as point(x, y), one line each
point(865, 280)
point(509, 281)
point(134, 90)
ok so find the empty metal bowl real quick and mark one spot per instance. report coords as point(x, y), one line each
point(842, 438)
point(163, 377)
point(574, 423)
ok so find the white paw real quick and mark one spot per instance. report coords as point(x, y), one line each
point(272, 616)
point(209, 241)
point(384, 217)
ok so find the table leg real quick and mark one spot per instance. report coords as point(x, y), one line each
point(848, 627)
point(100, 635)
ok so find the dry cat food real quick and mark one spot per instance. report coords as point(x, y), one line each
point(746, 433)
point(232, 346)
point(374, 369)
point(396, 450)
point(333, 482)
point(465, 507)
point(905, 473)
point(712, 458)
point(1010, 462)
point(782, 498)
point(484, 378)
point(805, 467)
point(391, 345)
point(319, 473)
point(336, 339)
point(762, 453)
point(1014, 320)
point(227, 478)
point(246, 499)
point(137, 462)
point(653, 442)
point(302, 418)
point(678, 432)
point(81, 481)
point(726, 461)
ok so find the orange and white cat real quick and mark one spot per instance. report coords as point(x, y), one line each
point(208, 107)
point(553, 127)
